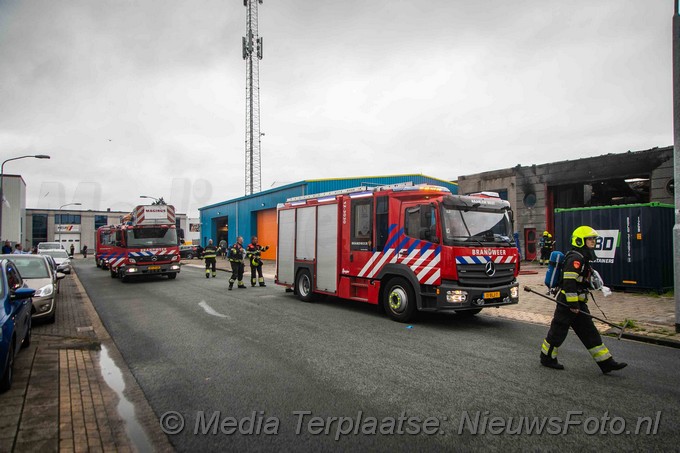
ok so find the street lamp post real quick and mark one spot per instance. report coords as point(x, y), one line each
point(58, 229)
point(2, 178)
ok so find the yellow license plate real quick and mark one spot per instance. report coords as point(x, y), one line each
point(492, 295)
point(157, 268)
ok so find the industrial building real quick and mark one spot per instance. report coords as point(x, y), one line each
point(255, 215)
point(536, 191)
point(74, 227)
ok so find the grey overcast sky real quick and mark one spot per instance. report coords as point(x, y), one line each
point(147, 97)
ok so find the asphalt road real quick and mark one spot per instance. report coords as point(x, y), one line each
point(272, 363)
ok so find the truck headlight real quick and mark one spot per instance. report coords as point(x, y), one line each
point(514, 292)
point(131, 270)
point(456, 296)
point(44, 291)
point(174, 267)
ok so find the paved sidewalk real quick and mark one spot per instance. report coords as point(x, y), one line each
point(653, 315)
point(59, 400)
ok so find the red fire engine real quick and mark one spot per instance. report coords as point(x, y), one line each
point(103, 245)
point(144, 243)
point(410, 247)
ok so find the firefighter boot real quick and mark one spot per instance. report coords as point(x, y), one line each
point(214, 274)
point(549, 356)
point(551, 362)
point(262, 282)
point(241, 285)
point(611, 365)
point(231, 284)
point(207, 273)
point(253, 281)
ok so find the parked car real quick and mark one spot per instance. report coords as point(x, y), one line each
point(61, 258)
point(38, 274)
point(188, 252)
point(15, 319)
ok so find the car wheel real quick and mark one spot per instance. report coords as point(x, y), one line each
point(303, 286)
point(190, 256)
point(6, 381)
point(27, 339)
point(172, 276)
point(400, 300)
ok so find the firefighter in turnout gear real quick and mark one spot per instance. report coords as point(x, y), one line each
point(546, 244)
point(209, 255)
point(236, 255)
point(574, 293)
point(253, 252)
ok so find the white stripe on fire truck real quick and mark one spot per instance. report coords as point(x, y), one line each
point(428, 267)
point(434, 278)
point(370, 262)
point(379, 266)
point(425, 256)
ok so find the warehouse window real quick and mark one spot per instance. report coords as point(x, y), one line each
point(39, 228)
point(100, 221)
point(67, 219)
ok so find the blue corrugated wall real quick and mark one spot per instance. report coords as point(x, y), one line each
point(242, 212)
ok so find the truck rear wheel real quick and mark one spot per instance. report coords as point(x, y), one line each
point(303, 285)
point(172, 276)
point(400, 300)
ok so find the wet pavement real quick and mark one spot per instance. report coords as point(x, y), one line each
point(72, 390)
point(652, 316)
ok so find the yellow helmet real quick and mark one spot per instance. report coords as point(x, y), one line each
point(578, 237)
point(545, 233)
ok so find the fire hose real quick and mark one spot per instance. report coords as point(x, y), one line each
point(623, 328)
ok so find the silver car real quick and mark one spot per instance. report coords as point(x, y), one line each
point(39, 275)
point(61, 258)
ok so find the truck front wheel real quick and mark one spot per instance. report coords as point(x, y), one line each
point(400, 300)
point(303, 285)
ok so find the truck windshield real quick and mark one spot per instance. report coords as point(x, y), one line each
point(152, 237)
point(463, 226)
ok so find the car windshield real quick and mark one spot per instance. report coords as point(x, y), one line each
point(152, 237)
point(31, 266)
point(478, 226)
point(55, 253)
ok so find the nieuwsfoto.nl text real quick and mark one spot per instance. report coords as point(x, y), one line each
point(469, 422)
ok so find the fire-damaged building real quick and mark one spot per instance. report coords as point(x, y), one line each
point(613, 179)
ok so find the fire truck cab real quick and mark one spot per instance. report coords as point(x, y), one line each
point(144, 243)
point(408, 247)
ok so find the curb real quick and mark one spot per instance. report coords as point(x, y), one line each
point(645, 339)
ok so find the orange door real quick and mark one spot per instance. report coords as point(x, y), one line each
point(267, 232)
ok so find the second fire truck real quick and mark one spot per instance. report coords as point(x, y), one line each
point(144, 243)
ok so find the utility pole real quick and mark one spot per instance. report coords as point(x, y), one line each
point(252, 53)
point(676, 158)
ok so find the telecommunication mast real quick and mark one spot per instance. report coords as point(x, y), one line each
point(252, 53)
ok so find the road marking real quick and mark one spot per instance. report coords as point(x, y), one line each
point(211, 311)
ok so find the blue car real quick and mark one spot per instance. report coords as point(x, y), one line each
point(15, 319)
